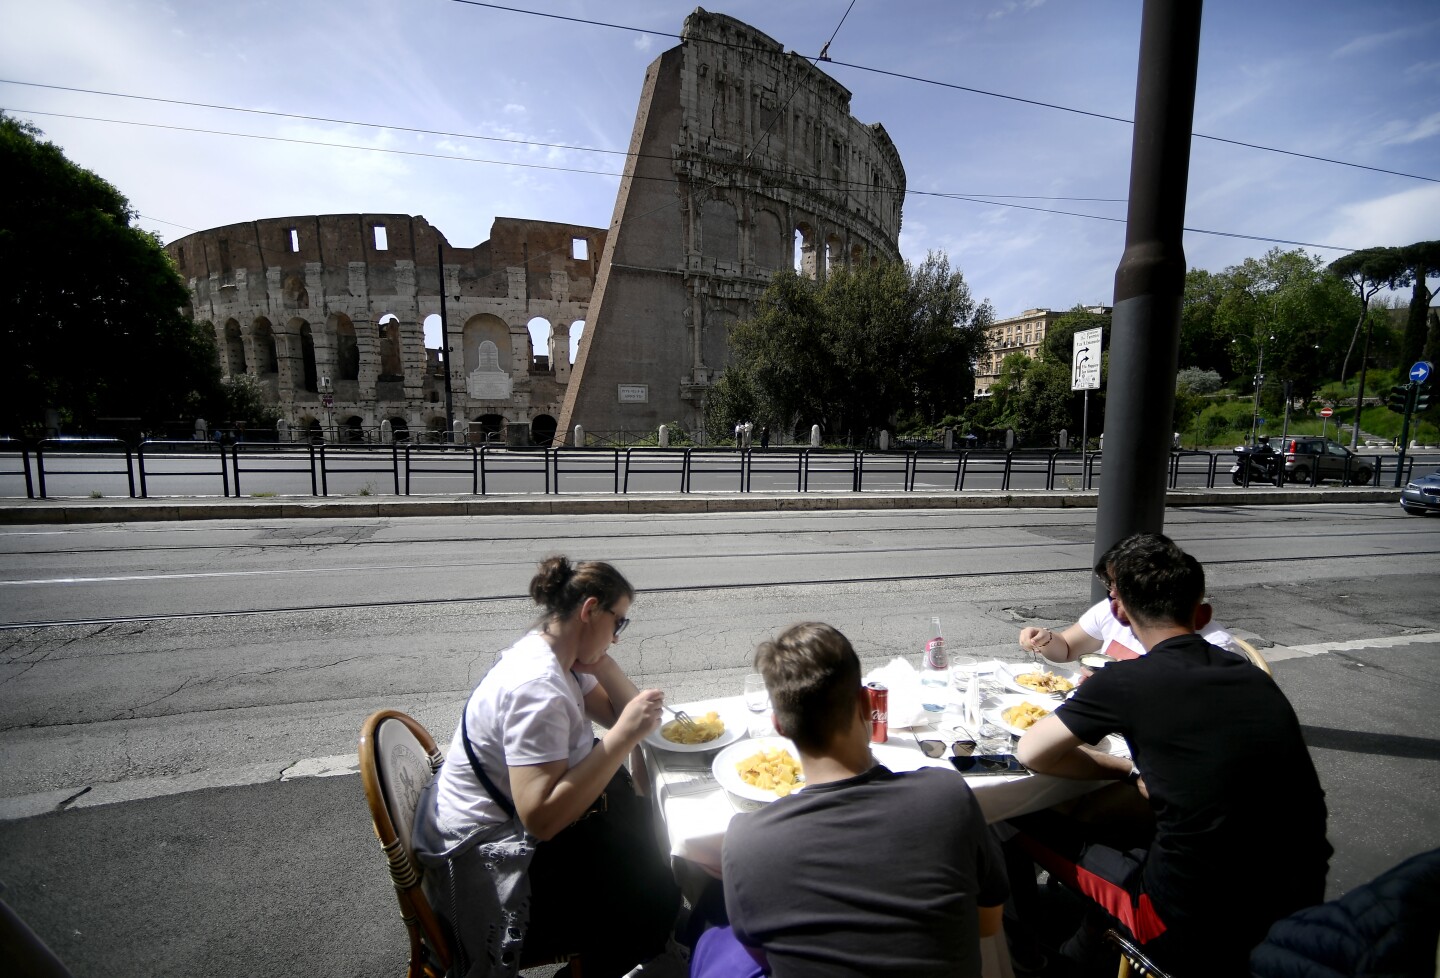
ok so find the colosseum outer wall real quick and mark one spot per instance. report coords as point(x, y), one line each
point(744, 161)
point(345, 297)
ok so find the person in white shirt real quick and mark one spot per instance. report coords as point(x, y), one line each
point(1098, 630)
point(531, 833)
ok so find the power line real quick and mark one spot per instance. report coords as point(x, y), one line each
point(975, 198)
point(965, 88)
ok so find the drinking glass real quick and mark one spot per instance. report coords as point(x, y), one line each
point(757, 699)
point(991, 739)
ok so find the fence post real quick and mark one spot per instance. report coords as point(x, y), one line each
point(579, 437)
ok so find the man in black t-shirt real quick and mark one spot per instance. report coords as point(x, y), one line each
point(865, 873)
point(1215, 746)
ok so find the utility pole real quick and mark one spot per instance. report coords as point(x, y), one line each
point(1150, 280)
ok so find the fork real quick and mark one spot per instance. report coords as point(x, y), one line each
point(680, 715)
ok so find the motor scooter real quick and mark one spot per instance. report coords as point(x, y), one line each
point(1256, 463)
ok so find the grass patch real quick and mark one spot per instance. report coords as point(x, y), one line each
point(262, 495)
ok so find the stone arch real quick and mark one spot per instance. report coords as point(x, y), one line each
point(489, 427)
point(432, 333)
point(309, 373)
point(347, 350)
point(834, 254)
point(719, 231)
point(805, 248)
point(399, 428)
point(768, 246)
point(540, 332)
point(391, 365)
point(262, 336)
point(234, 349)
point(308, 429)
point(542, 429)
point(479, 329)
point(352, 429)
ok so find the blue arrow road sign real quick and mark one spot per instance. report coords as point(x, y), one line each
point(1421, 371)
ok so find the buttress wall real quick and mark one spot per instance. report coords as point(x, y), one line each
point(345, 297)
point(744, 160)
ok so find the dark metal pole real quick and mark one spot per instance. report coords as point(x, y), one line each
point(444, 340)
point(1150, 280)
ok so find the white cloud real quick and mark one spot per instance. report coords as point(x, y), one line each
point(511, 108)
point(1396, 219)
point(1369, 42)
point(644, 42)
point(1399, 132)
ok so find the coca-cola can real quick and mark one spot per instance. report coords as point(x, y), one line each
point(878, 696)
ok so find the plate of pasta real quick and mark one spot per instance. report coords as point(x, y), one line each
point(1016, 714)
point(1050, 679)
point(710, 731)
point(761, 769)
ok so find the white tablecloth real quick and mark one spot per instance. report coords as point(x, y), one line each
point(696, 810)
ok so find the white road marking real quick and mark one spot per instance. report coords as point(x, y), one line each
point(1394, 641)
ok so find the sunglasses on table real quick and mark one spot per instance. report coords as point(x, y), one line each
point(936, 748)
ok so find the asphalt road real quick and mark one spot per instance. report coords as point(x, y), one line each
point(158, 681)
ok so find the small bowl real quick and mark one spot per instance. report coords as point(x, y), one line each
point(1093, 661)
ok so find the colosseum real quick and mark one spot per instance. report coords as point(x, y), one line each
point(337, 304)
point(744, 160)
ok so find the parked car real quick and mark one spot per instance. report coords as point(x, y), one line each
point(1421, 494)
point(1321, 459)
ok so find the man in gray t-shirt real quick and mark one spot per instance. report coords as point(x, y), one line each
point(865, 872)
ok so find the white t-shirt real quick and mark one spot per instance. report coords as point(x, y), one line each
point(1119, 641)
point(527, 710)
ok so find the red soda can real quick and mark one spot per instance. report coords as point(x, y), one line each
point(879, 696)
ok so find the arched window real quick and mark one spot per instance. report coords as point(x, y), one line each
point(264, 341)
point(389, 335)
point(768, 248)
point(308, 373)
point(234, 349)
point(805, 264)
point(352, 429)
point(347, 351)
point(577, 330)
point(542, 429)
point(540, 331)
point(399, 428)
point(719, 233)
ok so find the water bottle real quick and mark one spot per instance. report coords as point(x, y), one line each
point(935, 671)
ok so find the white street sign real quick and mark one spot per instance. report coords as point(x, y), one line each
point(1085, 361)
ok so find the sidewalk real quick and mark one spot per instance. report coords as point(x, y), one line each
point(121, 510)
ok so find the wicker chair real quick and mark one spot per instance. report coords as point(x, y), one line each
point(397, 758)
point(1252, 653)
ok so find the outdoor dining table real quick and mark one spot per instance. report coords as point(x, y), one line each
point(695, 810)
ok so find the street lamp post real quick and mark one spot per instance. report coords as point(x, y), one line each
point(1259, 379)
point(327, 401)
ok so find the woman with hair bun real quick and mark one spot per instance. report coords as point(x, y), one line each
point(531, 833)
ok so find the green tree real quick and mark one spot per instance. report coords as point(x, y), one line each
point(1367, 272)
point(1423, 260)
point(93, 324)
point(852, 355)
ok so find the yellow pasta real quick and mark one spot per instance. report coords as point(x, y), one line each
point(771, 770)
point(1024, 715)
point(702, 730)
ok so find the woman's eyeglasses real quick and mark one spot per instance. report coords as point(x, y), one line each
point(620, 623)
point(936, 748)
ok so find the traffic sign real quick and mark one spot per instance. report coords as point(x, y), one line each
point(1326, 412)
point(1420, 371)
point(1085, 360)
point(327, 401)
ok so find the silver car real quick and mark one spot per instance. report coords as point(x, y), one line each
point(1421, 494)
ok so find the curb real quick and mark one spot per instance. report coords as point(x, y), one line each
point(26, 512)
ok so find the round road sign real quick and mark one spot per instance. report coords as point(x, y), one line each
point(1326, 412)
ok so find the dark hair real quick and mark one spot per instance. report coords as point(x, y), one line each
point(1159, 583)
point(560, 587)
point(813, 676)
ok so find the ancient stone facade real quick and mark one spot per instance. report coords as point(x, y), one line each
point(743, 160)
point(299, 300)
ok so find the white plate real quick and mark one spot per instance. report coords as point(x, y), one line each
point(735, 728)
point(723, 767)
point(898, 758)
point(1010, 670)
point(996, 706)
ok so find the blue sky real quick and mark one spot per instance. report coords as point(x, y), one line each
point(1353, 82)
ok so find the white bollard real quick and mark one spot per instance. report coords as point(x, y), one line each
point(664, 436)
point(462, 432)
point(884, 441)
point(949, 439)
point(202, 429)
point(1009, 439)
point(579, 436)
point(282, 430)
point(814, 436)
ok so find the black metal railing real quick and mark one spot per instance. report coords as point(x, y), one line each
point(274, 468)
